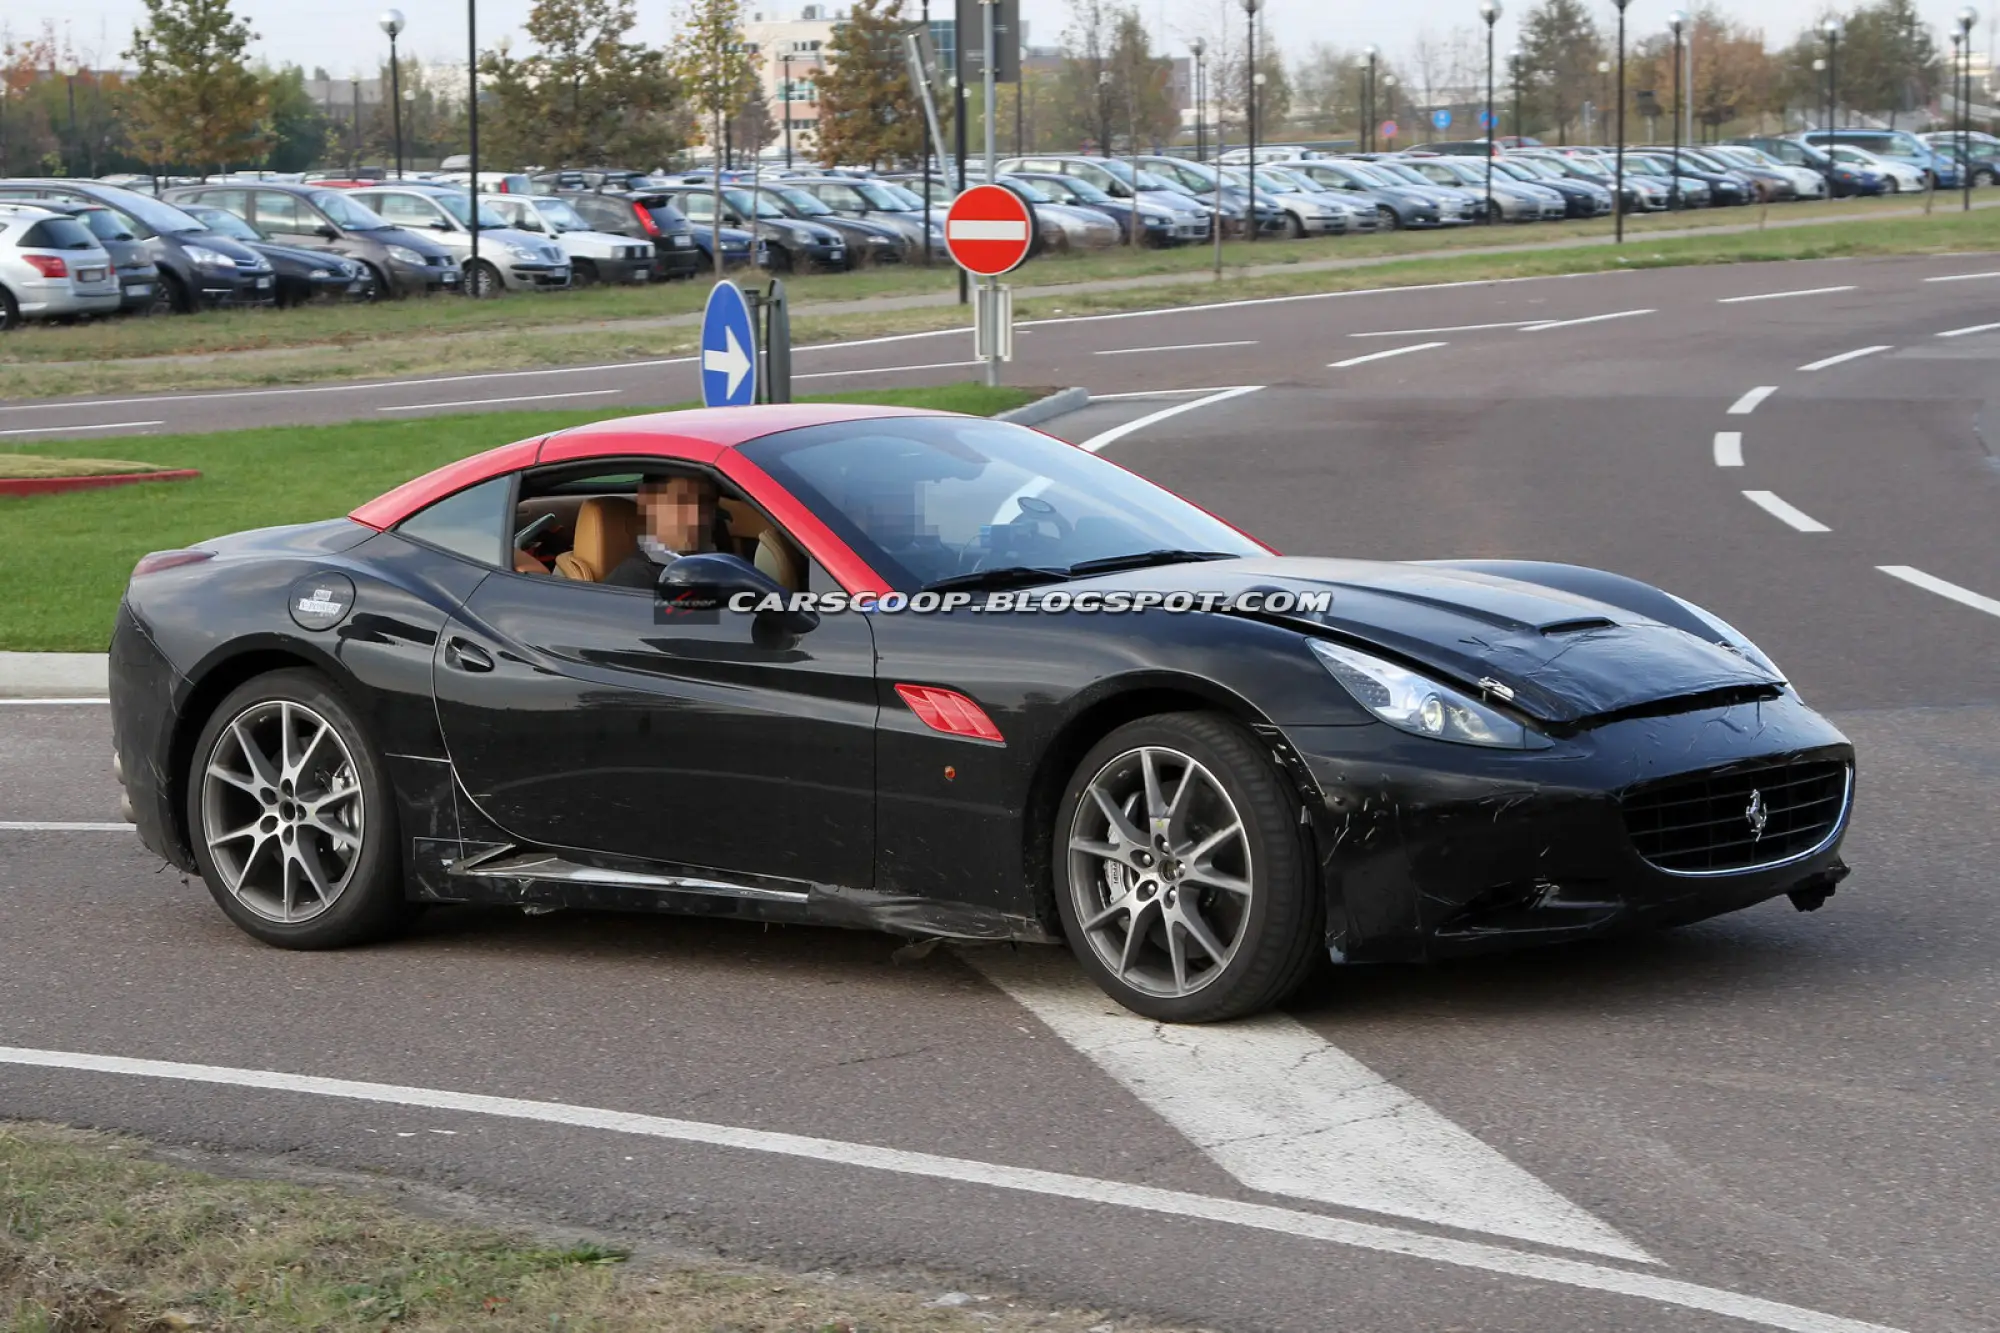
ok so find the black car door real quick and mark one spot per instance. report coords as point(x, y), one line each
point(579, 716)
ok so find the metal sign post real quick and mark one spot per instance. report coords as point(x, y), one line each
point(993, 320)
point(777, 345)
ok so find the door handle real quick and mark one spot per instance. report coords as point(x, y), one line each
point(467, 656)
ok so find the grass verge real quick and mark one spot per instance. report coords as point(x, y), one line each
point(437, 337)
point(64, 558)
point(34, 467)
point(95, 1234)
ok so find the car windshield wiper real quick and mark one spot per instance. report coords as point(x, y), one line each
point(1006, 576)
point(1142, 559)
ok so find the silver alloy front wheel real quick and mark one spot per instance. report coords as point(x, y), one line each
point(283, 812)
point(1160, 872)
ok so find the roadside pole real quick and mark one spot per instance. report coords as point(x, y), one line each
point(991, 314)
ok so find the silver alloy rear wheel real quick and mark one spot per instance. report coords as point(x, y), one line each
point(283, 812)
point(1160, 872)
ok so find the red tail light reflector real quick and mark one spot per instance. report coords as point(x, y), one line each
point(646, 218)
point(159, 560)
point(949, 712)
point(49, 266)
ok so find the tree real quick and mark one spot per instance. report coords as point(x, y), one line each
point(712, 66)
point(869, 111)
point(1560, 48)
point(1087, 66)
point(583, 95)
point(297, 127)
point(1889, 59)
point(194, 101)
point(1141, 85)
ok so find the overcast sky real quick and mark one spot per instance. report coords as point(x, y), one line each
point(343, 36)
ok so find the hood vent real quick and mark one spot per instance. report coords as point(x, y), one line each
point(1577, 626)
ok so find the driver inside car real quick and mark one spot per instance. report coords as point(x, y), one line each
point(677, 517)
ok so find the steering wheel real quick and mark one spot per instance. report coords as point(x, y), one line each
point(533, 530)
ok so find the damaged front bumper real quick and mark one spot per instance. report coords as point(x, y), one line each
point(1431, 850)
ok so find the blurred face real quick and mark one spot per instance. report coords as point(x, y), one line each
point(677, 512)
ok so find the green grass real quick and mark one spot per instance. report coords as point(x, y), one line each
point(96, 1235)
point(408, 339)
point(32, 467)
point(64, 558)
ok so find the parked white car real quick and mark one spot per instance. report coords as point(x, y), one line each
point(1811, 184)
point(51, 266)
point(508, 258)
point(1900, 175)
point(594, 256)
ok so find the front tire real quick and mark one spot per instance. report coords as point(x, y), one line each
point(292, 817)
point(1387, 220)
point(486, 280)
point(1180, 875)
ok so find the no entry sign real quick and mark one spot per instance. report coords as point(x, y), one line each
point(989, 230)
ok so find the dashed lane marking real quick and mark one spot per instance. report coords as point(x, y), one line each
point(1963, 277)
point(1916, 578)
point(1780, 296)
point(1587, 319)
point(49, 703)
point(1827, 363)
point(1749, 402)
point(884, 370)
point(1974, 328)
point(62, 826)
point(1117, 433)
point(1729, 448)
point(1175, 347)
point(1449, 328)
point(1646, 1286)
point(1287, 1112)
point(483, 402)
point(70, 430)
point(1383, 356)
point(1790, 515)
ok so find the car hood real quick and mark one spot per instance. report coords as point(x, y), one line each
point(411, 240)
point(1566, 658)
point(292, 254)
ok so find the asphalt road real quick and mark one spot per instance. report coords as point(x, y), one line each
point(1769, 1120)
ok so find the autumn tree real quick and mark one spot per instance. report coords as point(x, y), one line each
point(296, 125)
point(869, 111)
point(1560, 48)
point(583, 94)
point(1889, 60)
point(713, 67)
point(195, 102)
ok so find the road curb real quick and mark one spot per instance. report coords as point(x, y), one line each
point(54, 675)
point(55, 485)
point(1057, 404)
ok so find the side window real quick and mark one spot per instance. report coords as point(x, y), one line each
point(606, 215)
point(279, 212)
point(234, 201)
point(406, 209)
point(843, 197)
point(473, 523)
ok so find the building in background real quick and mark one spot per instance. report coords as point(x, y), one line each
point(804, 40)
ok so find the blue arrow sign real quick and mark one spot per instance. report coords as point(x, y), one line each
point(728, 349)
point(1441, 118)
point(1489, 119)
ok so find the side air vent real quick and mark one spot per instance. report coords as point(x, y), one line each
point(1578, 626)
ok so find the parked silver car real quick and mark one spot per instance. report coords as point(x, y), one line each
point(51, 266)
point(508, 258)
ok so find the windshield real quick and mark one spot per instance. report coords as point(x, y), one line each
point(104, 224)
point(1645, 166)
point(1028, 190)
point(225, 223)
point(910, 197)
point(1843, 153)
point(929, 498)
point(560, 216)
point(806, 205)
point(880, 196)
point(1148, 181)
point(345, 213)
point(151, 216)
point(1402, 171)
point(740, 201)
point(1083, 191)
point(1583, 166)
point(460, 207)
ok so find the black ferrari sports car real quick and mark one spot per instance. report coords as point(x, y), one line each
point(945, 676)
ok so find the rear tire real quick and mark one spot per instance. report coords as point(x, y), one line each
point(292, 818)
point(1217, 916)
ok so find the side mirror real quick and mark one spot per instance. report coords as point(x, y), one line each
point(327, 231)
point(708, 582)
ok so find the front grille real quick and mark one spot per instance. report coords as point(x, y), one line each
point(1707, 823)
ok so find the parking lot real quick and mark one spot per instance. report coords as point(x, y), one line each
point(1771, 1119)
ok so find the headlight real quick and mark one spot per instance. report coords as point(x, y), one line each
point(526, 254)
point(1419, 705)
point(403, 254)
point(208, 258)
point(320, 273)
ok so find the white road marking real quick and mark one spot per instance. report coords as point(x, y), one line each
point(1449, 328)
point(1855, 355)
point(360, 387)
point(885, 370)
point(1598, 1277)
point(1974, 328)
point(1284, 1111)
point(1748, 403)
point(62, 826)
point(1177, 347)
point(1931, 583)
point(1117, 433)
point(1963, 277)
point(1729, 448)
point(1587, 319)
point(1769, 502)
point(1148, 393)
point(1780, 296)
point(59, 430)
point(482, 402)
point(48, 703)
point(1383, 356)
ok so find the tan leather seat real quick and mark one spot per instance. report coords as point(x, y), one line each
point(777, 558)
point(607, 532)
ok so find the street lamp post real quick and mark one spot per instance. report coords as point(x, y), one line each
point(1676, 26)
point(469, 282)
point(1618, 186)
point(1198, 48)
point(391, 22)
point(785, 63)
point(69, 69)
point(1603, 84)
point(1967, 17)
point(1831, 31)
point(1489, 10)
point(1388, 113)
point(1368, 102)
point(1250, 8)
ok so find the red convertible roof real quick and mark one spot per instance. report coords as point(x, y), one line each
point(695, 436)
